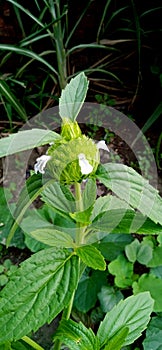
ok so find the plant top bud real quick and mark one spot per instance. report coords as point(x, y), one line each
point(70, 130)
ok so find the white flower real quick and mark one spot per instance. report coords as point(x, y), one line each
point(102, 145)
point(86, 167)
point(41, 163)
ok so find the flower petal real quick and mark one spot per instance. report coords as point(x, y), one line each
point(86, 167)
point(102, 145)
point(41, 163)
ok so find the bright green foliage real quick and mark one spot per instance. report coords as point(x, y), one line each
point(72, 98)
point(130, 186)
point(26, 139)
point(53, 238)
point(91, 257)
point(76, 336)
point(117, 341)
point(125, 221)
point(122, 269)
point(153, 284)
point(37, 292)
point(133, 312)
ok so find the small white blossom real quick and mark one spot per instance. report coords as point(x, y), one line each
point(41, 163)
point(102, 145)
point(86, 167)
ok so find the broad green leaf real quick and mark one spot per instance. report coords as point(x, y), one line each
point(73, 96)
point(113, 245)
point(130, 186)
point(88, 288)
point(123, 221)
point(42, 218)
point(142, 252)
point(153, 338)
point(11, 98)
point(132, 249)
point(28, 194)
point(89, 193)
point(91, 257)
point(37, 292)
point(105, 203)
point(26, 139)
point(53, 237)
point(153, 284)
point(133, 312)
point(59, 197)
point(109, 297)
point(156, 259)
point(76, 336)
point(122, 269)
point(117, 340)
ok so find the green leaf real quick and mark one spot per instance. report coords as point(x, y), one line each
point(109, 297)
point(73, 96)
point(107, 203)
point(113, 245)
point(37, 292)
point(82, 216)
point(144, 254)
point(91, 257)
point(76, 336)
point(59, 197)
point(130, 186)
point(28, 194)
point(117, 340)
point(156, 259)
point(89, 194)
point(28, 53)
point(132, 249)
point(153, 338)
point(141, 252)
point(26, 139)
point(122, 221)
point(11, 98)
point(53, 237)
point(88, 288)
point(43, 218)
point(133, 312)
point(153, 284)
point(122, 269)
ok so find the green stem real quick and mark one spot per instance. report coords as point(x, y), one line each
point(32, 343)
point(79, 207)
